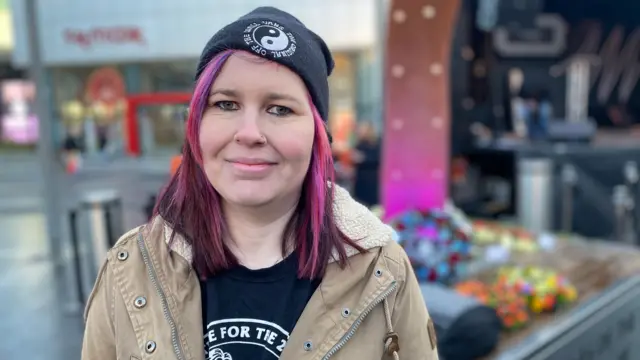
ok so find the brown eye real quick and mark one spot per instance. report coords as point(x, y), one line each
point(278, 110)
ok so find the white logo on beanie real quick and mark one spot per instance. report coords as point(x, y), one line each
point(270, 38)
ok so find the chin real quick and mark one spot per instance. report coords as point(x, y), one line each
point(249, 201)
point(248, 196)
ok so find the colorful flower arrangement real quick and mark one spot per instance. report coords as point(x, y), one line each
point(544, 289)
point(510, 306)
point(519, 291)
point(487, 233)
point(436, 244)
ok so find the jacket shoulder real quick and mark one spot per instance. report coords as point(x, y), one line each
point(396, 259)
point(153, 230)
point(126, 242)
point(128, 237)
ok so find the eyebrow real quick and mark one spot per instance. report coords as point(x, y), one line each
point(279, 96)
point(226, 92)
point(272, 96)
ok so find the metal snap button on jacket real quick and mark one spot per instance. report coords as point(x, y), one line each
point(123, 255)
point(150, 347)
point(140, 302)
point(308, 345)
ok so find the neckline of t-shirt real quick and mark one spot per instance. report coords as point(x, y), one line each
point(282, 269)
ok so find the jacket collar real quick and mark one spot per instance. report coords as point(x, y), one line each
point(353, 219)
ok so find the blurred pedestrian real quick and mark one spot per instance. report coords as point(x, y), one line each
point(537, 112)
point(343, 171)
point(366, 156)
point(252, 238)
point(71, 151)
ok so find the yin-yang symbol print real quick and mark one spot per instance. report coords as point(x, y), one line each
point(270, 38)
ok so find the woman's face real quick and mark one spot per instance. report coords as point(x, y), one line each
point(257, 132)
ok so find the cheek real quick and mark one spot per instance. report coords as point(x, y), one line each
point(211, 139)
point(296, 147)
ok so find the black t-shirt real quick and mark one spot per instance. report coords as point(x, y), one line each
point(249, 314)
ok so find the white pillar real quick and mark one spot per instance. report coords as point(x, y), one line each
point(48, 152)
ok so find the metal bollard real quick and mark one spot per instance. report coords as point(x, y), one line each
point(535, 186)
point(632, 177)
point(95, 227)
point(569, 181)
point(623, 207)
point(104, 217)
point(79, 278)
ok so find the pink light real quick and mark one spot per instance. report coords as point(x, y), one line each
point(428, 232)
point(20, 130)
point(18, 123)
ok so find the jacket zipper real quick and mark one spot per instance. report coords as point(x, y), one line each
point(359, 320)
point(177, 349)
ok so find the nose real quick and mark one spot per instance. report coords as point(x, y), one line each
point(249, 132)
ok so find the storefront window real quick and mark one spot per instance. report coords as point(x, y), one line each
point(161, 125)
point(161, 128)
point(90, 103)
point(175, 76)
point(342, 92)
point(368, 88)
point(18, 121)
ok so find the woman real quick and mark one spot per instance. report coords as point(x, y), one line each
point(250, 239)
point(367, 159)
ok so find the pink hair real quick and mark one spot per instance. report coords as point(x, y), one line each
point(191, 205)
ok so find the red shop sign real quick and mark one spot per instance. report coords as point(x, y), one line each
point(117, 35)
point(105, 85)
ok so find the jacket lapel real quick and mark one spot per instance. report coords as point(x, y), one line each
point(339, 302)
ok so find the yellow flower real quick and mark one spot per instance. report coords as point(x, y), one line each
point(536, 305)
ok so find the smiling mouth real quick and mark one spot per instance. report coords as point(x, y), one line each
point(251, 163)
point(256, 167)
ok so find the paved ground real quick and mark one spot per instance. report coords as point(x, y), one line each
point(35, 321)
point(38, 317)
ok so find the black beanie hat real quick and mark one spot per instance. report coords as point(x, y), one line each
point(278, 36)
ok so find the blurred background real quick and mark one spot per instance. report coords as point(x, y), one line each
point(499, 138)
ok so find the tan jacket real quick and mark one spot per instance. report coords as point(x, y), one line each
point(146, 303)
